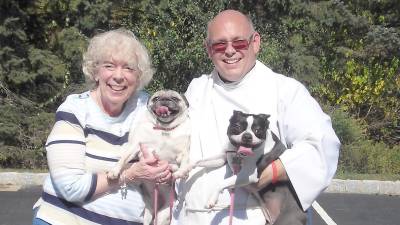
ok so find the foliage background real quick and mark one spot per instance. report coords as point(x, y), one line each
point(346, 53)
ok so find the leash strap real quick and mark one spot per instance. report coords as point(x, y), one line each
point(171, 202)
point(232, 206)
point(236, 168)
point(171, 199)
point(156, 190)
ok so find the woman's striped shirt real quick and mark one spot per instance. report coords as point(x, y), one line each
point(84, 141)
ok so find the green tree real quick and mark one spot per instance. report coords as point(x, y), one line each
point(41, 47)
point(173, 34)
point(346, 52)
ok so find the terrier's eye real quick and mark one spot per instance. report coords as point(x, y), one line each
point(155, 99)
point(175, 99)
point(257, 131)
point(235, 128)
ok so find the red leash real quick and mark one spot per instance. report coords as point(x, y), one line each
point(171, 201)
point(236, 168)
point(231, 207)
point(156, 190)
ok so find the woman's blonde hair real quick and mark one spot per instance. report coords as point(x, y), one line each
point(119, 44)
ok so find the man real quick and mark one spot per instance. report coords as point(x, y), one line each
point(240, 82)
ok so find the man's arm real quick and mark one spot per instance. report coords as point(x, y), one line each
point(311, 159)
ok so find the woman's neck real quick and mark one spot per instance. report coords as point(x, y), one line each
point(112, 110)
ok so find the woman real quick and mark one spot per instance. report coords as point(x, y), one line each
point(87, 136)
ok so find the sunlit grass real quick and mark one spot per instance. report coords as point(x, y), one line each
point(2, 170)
point(342, 176)
point(353, 176)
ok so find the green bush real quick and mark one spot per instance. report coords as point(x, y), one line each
point(16, 157)
point(367, 157)
point(345, 52)
point(23, 133)
point(360, 155)
point(348, 129)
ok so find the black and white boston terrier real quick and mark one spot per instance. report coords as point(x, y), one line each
point(249, 136)
point(248, 133)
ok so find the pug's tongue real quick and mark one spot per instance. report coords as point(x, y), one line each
point(245, 151)
point(162, 110)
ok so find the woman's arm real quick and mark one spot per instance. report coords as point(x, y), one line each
point(147, 168)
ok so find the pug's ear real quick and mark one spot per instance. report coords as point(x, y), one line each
point(150, 99)
point(185, 99)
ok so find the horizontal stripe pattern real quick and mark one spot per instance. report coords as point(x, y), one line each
point(83, 142)
point(107, 159)
point(92, 187)
point(88, 130)
point(108, 137)
point(78, 210)
point(65, 142)
point(68, 117)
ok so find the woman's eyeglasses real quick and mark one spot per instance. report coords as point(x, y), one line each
point(220, 47)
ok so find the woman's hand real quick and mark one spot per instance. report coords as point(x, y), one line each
point(149, 168)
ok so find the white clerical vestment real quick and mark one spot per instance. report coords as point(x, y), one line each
point(295, 117)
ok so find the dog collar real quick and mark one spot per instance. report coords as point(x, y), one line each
point(164, 128)
point(236, 154)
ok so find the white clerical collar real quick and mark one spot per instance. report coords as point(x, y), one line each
point(233, 84)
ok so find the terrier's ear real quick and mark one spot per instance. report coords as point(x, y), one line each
point(235, 116)
point(237, 112)
point(265, 118)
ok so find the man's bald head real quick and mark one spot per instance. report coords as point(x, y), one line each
point(230, 15)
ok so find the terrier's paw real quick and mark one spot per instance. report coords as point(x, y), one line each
point(210, 205)
point(251, 188)
point(212, 201)
point(180, 175)
point(113, 174)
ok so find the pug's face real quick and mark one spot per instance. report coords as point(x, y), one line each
point(167, 106)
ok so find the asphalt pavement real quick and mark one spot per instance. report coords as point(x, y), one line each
point(358, 209)
point(345, 202)
point(16, 205)
point(344, 209)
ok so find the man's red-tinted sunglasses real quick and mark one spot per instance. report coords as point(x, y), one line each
point(220, 47)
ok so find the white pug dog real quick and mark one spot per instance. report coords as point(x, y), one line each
point(165, 129)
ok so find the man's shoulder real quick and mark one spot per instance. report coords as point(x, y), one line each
point(201, 79)
point(287, 86)
point(282, 79)
point(199, 83)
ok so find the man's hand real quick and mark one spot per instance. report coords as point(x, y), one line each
point(267, 175)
